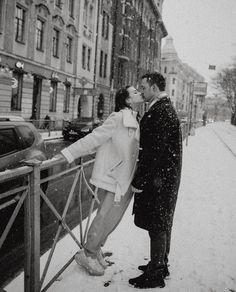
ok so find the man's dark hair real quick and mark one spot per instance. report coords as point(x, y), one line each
point(155, 78)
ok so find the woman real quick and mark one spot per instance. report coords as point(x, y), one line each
point(116, 144)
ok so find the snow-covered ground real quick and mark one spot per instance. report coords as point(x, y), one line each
point(51, 135)
point(203, 250)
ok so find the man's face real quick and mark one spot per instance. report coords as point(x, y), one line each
point(147, 90)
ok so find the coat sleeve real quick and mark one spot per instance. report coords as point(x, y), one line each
point(151, 154)
point(92, 141)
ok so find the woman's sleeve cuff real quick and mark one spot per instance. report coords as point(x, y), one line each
point(67, 155)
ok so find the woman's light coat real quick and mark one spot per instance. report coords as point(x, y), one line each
point(116, 143)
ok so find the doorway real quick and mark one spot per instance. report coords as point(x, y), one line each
point(36, 102)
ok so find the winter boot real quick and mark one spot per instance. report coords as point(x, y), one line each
point(149, 279)
point(91, 265)
point(166, 272)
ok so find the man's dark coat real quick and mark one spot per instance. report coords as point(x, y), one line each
point(159, 167)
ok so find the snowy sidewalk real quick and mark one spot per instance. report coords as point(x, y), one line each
point(203, 250)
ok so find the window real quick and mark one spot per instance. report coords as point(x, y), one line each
point(69, 42)
point(20, 24)
point(28, 136)
point(55, 43)
point(58, 3)
point(39, 34)
point(165, 70)
point(100, 108)
point(1, 15)
point(53, 97)
point(123, 7)
point(173, 80)
point(16, 95)
point(101, 63)
point(123, 43)
point(121, 73)
point(67, 98)
point(84, 57)
point(105, 25)
point(71, 8)
point(89, 58)
point(173, 92)
point(91, 18)
point(105, 67)
point(8, 141)
point(85, 13)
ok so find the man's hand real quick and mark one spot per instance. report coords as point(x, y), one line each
point(134, 190)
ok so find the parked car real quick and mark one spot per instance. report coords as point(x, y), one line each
point(11, 118)
point(19, 141)
point(79, 128)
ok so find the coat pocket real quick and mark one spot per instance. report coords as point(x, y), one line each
point(114, 170)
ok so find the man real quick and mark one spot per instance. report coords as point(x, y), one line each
point(157, 178)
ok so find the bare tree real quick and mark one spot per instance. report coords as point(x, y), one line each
point(225, 82)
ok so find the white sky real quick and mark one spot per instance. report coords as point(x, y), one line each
point(204, 32)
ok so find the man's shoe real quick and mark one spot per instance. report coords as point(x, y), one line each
point(166, 272)
point(143, 268)
point(101, 260)
point(146, 280)
point(91, 265)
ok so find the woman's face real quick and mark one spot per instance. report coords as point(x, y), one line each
point(134, 96)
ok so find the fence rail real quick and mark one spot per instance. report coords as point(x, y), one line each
point(29, 194)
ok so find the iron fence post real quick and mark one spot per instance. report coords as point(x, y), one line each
point(32, 229)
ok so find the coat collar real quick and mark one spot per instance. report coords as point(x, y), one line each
point(159, 101)
point(161, 95)
point(129, 118)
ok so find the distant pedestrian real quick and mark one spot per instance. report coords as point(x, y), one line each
point(204, 118)
point(157, 178)
point(116, 143)
point(47, 120)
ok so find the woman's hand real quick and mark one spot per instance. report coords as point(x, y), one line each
point(134, 190)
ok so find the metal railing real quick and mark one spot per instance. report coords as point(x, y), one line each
point(29, 194)
point(48, 125)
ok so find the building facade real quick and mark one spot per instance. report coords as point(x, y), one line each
point(185, 86)
point(66, 58)
point(37, 53)
point(138, 30)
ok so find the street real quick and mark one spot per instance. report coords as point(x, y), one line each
point(12, 253)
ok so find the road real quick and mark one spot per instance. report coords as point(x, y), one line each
point(12, 253)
